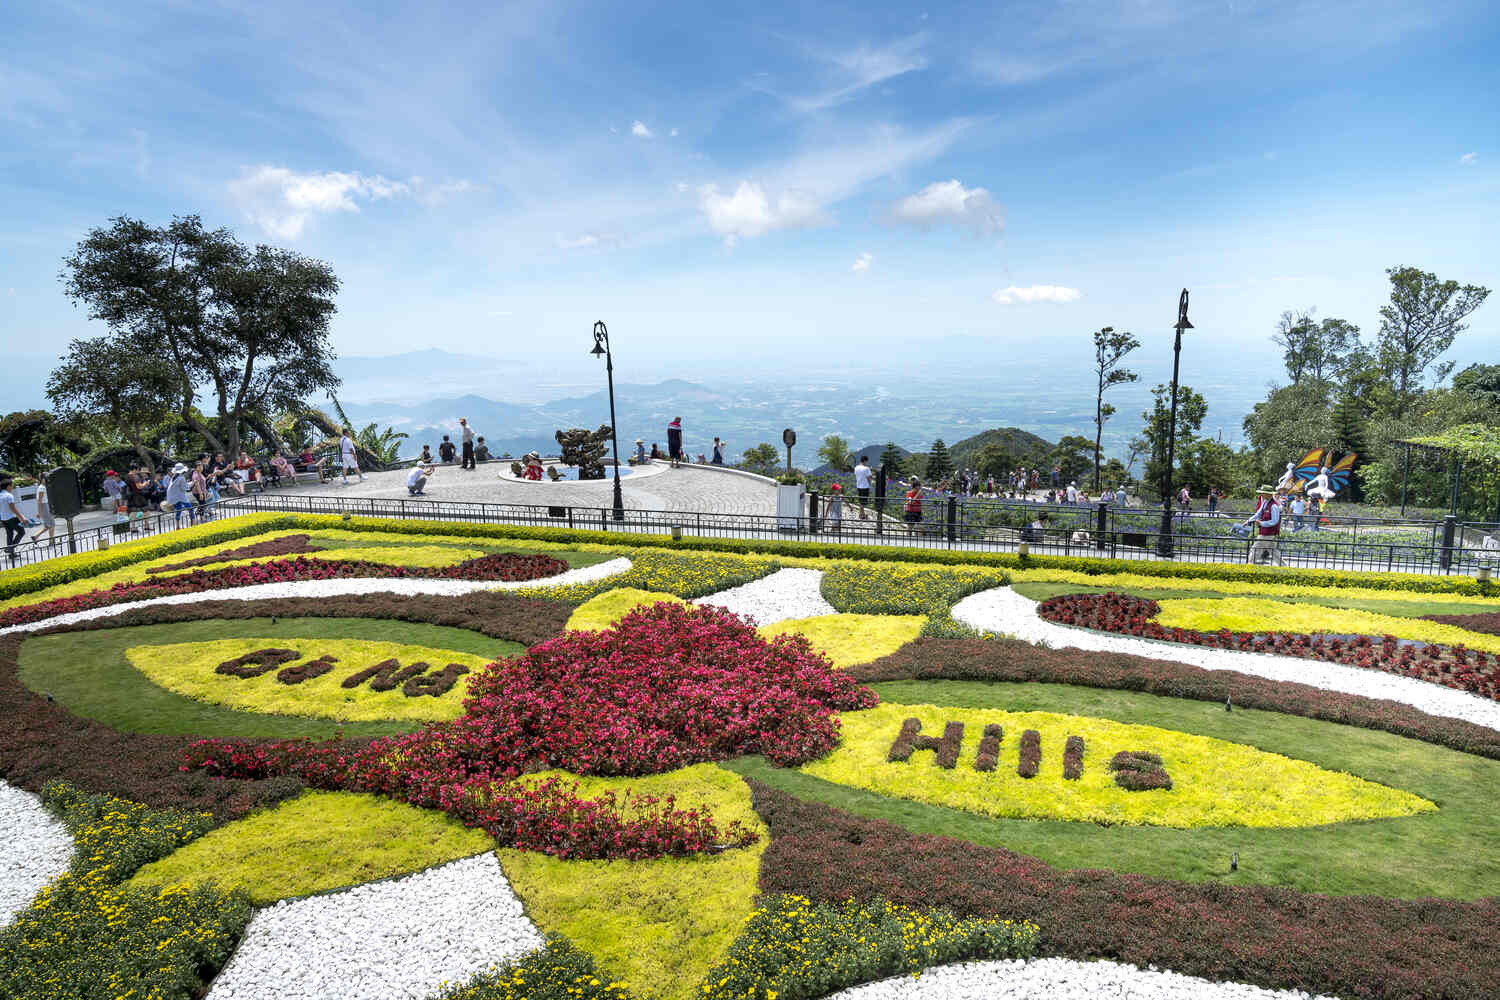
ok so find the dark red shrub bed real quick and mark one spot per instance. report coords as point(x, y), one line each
point(669, 685)
point(1452, 666)
point(1073, 759)
point(911, 739)
point(1030, 754)
point(495, 567)
point(288, 545)
point(1487, 621)
point(989, 747)
point(1360, 946)
point(1014, 660)
point(1139, 771)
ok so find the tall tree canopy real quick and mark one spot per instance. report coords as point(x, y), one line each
point(135, 391)
point(248, 326)
point(1419, 324)
point(1110, 348)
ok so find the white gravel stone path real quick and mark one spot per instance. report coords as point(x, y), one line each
point(396, 940)
point(786, 593)
point(339, 588)
point(1003, 610)
point(34, 849)
point(1056, 979)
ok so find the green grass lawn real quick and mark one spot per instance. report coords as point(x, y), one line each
point(1040, 591)
point(1454, 852)
point(89, 674)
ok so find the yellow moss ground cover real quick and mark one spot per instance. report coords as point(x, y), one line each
point(598, 613)
point(683, 574)
point(189, 669)
point(1214, 782)
point(316, 842)
point(850, 640)
point(657, 925)
point(1135, 581)
point(1249, 614)
point(847, 639)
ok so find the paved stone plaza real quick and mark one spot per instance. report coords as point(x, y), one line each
point(700, 488)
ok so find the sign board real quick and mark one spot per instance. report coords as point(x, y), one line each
point(788, 437)
point(64, 494)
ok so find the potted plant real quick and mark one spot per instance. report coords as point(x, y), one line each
point(789, 502)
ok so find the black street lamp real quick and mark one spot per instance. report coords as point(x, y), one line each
point(601, 346)
point(1164, 540)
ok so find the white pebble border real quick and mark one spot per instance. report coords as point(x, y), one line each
point(786, 593)
point(34, 849)
point(397, 940)
point(1003, 610)
point(1057, 979)
point(339, 588)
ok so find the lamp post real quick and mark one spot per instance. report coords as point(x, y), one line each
point(601, 347)
point(1164, 540)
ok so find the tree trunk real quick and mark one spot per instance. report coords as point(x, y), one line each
point(263, 427)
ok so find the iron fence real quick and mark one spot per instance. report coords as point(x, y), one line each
point(1126, 534)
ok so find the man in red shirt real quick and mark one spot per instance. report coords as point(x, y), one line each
point(1266, 522)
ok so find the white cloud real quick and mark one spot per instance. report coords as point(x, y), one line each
point(1468, 159)
point(674, 133)
point(436, 194)
point(640, 129)
point(1036, 293)
point(281, 201)
point(949, 202)
point(862, 263)
point(750, 212)
point(865, 67)
point(589, 241)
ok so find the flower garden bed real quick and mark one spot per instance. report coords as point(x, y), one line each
point(640, 770)
point(1454, 666)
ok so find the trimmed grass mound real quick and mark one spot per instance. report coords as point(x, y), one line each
point(317, 842)
point(1254, 614)
point(659, 925)
point(601, 612)
point(850, 640)
point(1214, 782)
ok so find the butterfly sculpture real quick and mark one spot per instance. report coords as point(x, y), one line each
point(1331, 481)
point(1303, 472)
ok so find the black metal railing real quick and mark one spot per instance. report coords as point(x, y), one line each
point(1096, 530)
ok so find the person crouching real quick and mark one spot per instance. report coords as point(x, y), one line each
point(416, 480)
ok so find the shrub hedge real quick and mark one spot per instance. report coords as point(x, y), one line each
point(557, 971)
point(1354, 946)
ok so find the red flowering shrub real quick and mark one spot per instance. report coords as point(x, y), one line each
point(1451, 666)
point(498, 567)
point(669, 685)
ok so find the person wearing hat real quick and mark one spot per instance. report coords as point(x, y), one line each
point(834, 513)
point(113, 488)
point(534, 466)
point(640, 451)
point(1266, 522)
point(674, 441)
point(179, 494)
point(416, 480)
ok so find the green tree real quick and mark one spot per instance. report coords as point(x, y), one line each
point(1348, 427)
point(995, 460)
point(1313, 350)
point(939, 463)
point(1110, 348)
point(1074, 455)
point(763, 459)
point(1291, 420)
point(32, 441)
point(249, 326)
point(1419, 325)
point(834, 451)
point(131, 391)
point(384, 444)
point(1481, 382)
point(1191, 410)
point(891, 459)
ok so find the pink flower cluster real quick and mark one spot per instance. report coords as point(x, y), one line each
point(670, 685)
point(505, 566)
point(1451, 666)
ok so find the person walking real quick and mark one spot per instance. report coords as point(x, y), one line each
point(1213, 501)
point(674, 441)
point(862, 474)
point(718, 452)
point(349, 458)
point(1267, 524)
point(913, 509)
point(833, 514)
point(179, 494)
point(466, 437)
point(198, 485)
point(44, 513)
point(10, 518)
point(1299, 513)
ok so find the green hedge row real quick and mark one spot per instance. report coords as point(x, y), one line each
point(68, 568)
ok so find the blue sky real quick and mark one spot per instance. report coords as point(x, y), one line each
point(730, 185)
